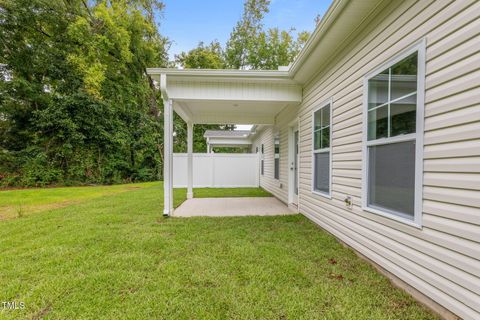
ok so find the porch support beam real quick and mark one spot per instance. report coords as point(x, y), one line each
point(168, 157)
point(224, 117)
point(190, 160)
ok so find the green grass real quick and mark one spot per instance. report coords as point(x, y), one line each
point(230, 192)
point(14, 203)
point(116, 257)
point(19, 203)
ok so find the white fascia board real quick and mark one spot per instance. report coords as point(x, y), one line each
point(272, 74)
point(271, 77)
point(234, 91)
point(229, 141)
point(205, 118)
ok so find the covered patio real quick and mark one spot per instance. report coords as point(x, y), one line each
point(232, 207)
point(218, 97)
point(229, 138)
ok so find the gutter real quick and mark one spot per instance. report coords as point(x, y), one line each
point(273, 74)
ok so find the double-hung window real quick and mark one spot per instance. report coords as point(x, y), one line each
point(393, 138)
point(262, 162)
point(276, 171)
point(322, 118)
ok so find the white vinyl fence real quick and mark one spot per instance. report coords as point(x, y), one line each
point(217, 170)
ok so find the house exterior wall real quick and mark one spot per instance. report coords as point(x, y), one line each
point(266, 137)
point(278, 187)
point(442, 258)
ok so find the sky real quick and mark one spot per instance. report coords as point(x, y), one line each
point(187, 22)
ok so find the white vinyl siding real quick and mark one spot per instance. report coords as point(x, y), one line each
point(266, 136)
point(441, 259)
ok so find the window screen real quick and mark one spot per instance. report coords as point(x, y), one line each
point(391, 175)
point(322, 172)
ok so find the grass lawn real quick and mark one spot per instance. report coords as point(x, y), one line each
point(15, 203)
point(116, 257)
point(230, 192)
point(18, 203)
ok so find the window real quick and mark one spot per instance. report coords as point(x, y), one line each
point(321, 149)
point(262, 162)
point(277, 159)
point(393, 147)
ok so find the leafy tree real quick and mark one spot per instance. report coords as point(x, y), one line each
point(243, 37)
point(274, 48)
point(202, 57)
point(78, 106)
point(252, 47)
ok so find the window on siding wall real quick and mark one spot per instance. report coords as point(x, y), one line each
point(321, 149)
point(277, 159)
point(392, 126)
point(262, 162)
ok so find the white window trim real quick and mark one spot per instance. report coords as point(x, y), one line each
point(420, 47)
point(329, 149)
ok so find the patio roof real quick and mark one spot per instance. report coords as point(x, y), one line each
point(228, 138)
point(227, 96)
point(227, 133)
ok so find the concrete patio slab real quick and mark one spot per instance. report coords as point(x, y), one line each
point(232, 207)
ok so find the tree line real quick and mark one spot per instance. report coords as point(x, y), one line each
point(76, 103)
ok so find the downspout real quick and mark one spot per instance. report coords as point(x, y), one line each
point(167, 148)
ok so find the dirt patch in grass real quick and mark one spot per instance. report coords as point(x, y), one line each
point(43, 312)
point(13, 212)
point(25, 202)
point(51, 187)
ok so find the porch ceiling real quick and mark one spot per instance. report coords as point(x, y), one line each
point(227, 96)
point(228, 112)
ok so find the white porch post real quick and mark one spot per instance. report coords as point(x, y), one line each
point(190, 160)
point(168, 158)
